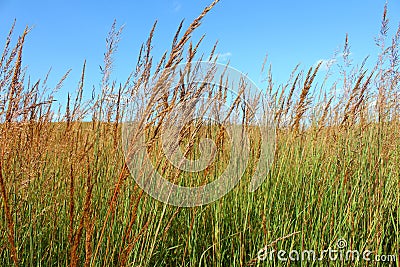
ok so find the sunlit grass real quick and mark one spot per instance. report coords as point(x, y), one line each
point(68, 198)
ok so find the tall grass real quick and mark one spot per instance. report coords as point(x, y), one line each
point(68, 197)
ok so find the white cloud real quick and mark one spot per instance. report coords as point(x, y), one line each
point(326, 63)
point(223, 57)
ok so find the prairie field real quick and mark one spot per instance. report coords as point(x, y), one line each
point(69, 190)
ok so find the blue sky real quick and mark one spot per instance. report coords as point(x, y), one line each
point(65, 33)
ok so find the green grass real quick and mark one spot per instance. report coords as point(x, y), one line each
point(67, 197)
point(321, 188)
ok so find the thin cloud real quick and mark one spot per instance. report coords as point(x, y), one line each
point(223, 57)
point(326, 64)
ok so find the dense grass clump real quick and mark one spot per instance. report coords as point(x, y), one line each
point(68, 198)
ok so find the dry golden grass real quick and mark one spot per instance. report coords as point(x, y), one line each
point(69, 199)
